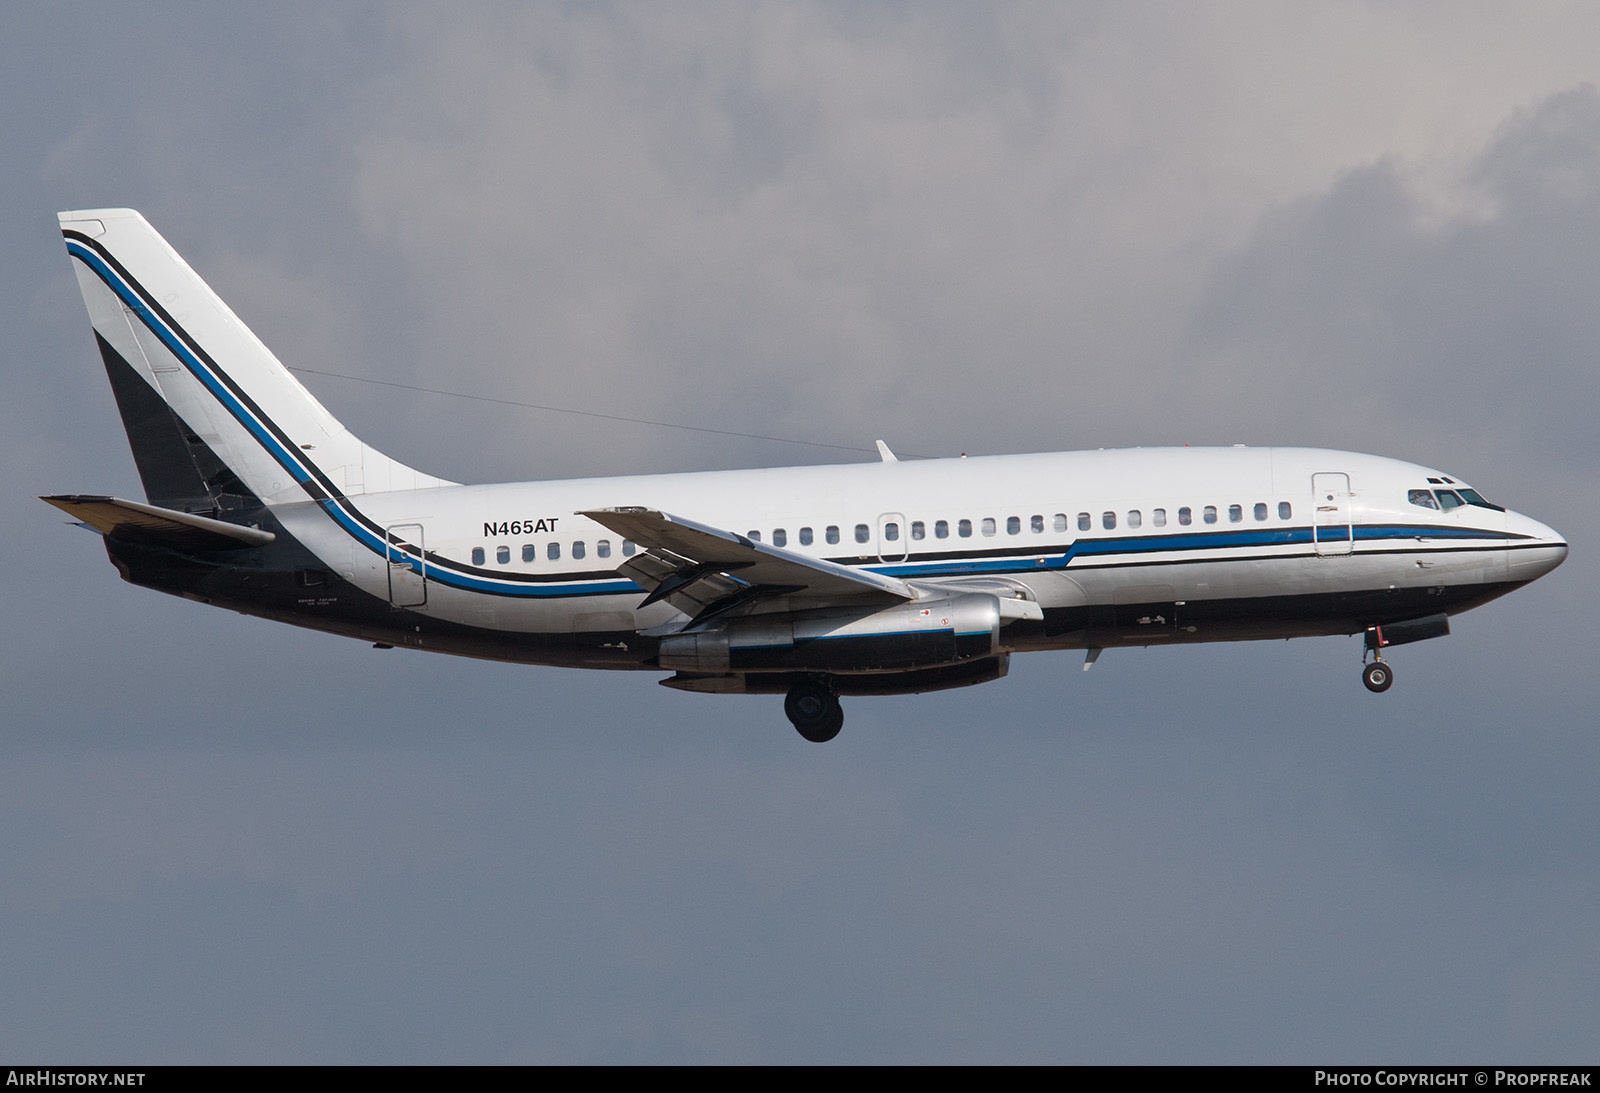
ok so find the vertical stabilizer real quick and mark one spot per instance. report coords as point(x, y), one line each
point(214, 420)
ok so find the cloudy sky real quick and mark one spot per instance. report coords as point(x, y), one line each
point(962, 228)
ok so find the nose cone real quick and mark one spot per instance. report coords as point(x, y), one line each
point(1533, 550)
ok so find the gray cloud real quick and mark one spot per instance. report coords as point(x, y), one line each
point(1390, 329)
point(965, 229)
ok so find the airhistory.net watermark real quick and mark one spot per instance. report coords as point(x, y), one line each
point(46, 1076)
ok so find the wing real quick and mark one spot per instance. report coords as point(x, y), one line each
point(705, 571)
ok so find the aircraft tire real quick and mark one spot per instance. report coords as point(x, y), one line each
point(814, 711)
point(1377, 676)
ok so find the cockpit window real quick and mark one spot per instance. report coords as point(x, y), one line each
point(1473, 497)
point(1449, 499)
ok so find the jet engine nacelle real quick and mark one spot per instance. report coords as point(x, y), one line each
point(920, 634)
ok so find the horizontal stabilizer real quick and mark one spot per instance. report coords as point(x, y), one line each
point(132, 521)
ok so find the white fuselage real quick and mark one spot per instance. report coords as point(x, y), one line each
point(1189, 525)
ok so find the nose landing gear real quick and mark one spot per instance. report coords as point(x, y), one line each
point(814, 710)
point(1377, 675)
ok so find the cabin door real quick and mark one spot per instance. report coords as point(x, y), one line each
point(1330, 505)
point(408, 586)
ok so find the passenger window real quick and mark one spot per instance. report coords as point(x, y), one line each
point(1058, 522)
point(919, 530)
point(754, 536)
point(832, 534)
point(941, 529)
point(1084, 521)
point(1013, 525)
point(1449, 499)
point(988, 525)
point(502, 555)
point(1134, 518)
point(1158, 517)
point(1261, 510)
point(477, 555)
point(1036, 524)
point(1235, 513)
point(628, 548)
point(964, 529)
point(805, 536)
point(1210, 514)
point(578, 550)
point(1108, 520)
point(1285, 510)
point(602, 548)
point(1422, 498)
point(780, 537)
point(891, 532)
point(1185, 516)
point(553, 552)
point(863, 533)
point(529, 552)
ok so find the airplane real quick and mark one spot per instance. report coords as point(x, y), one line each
point(887, 577)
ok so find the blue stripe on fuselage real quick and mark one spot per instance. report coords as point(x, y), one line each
point(1173, 542)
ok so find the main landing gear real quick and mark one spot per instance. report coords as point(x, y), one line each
point(1377, 675)
point(814, 710)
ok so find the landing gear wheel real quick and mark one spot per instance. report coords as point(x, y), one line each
point(814, 711)
point(1377, 676)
